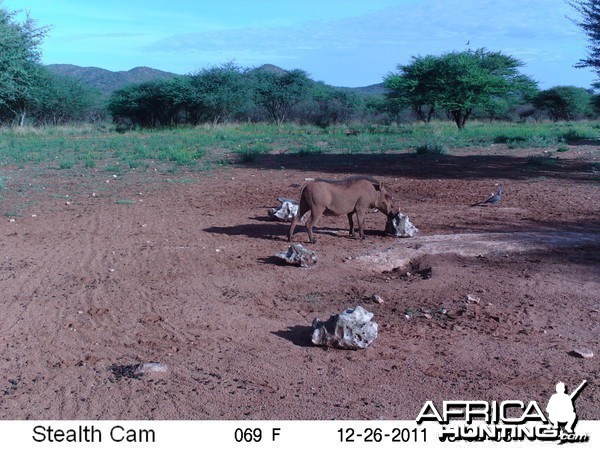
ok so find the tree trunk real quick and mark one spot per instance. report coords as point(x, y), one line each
point(460, 117)
point(430, 114)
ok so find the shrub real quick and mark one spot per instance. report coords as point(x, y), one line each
point(252, 152)
point(433, 147)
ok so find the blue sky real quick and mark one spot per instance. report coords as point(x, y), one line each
point(341, 42)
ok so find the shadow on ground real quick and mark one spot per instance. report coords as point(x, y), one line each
point(439, 166)
point(298, 335)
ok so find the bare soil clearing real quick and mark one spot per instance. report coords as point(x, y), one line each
point(181, 272)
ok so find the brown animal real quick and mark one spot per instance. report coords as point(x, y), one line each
point(348, 196)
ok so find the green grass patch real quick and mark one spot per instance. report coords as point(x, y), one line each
point(66, 165)
point(125, 202)
point(309, 150)
point(433, 145)
point(208, 147)
point(114, 169)
point(250, 153)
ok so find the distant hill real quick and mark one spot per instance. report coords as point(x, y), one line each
point(269, 68)
point(107, 81)
point(372, 89)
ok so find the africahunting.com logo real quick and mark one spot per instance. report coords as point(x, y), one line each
point(510, 420)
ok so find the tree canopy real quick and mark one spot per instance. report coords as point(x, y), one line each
point(590, 24)
point(19, 57)
point(564, 102)
point(457, 82)
point(28, 90)
point(278, 92)
point(218, 93)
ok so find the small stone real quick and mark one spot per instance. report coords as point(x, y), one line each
point(67, 203)
point(377, 299)
point(12, 220)
point(473, 299)
point(147, 368)
point(583, 352)
point(427, 316)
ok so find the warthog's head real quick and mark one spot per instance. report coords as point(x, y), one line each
point(385, 202)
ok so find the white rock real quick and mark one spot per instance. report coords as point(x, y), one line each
point(352, 329)
point(583, 352)
point(297, 255)
point(151, 367)
point(400, 226)
point(286, 212)
point(377, 299)
point(473, 299)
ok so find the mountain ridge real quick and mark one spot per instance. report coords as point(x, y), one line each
point(107, 81)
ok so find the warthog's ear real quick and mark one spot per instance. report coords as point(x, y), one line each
point(378, 186)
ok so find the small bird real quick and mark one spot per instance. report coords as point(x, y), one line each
point(493, 200)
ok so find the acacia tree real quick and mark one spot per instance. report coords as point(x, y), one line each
point(19, 65)
point(61, 99)
point(413, 87)
point(564, 102)
point(278, 92)
point(458, 82)
point(149, 104)
point(590, 24)
point(218, 93)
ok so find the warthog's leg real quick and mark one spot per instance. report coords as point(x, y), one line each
point(351, 223)
point(315, 215)
point(361, 217)
point(295, 221)
point(302, 209)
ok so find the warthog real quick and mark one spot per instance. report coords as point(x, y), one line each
point(348, 196)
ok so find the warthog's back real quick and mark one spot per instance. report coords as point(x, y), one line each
point(341, 196)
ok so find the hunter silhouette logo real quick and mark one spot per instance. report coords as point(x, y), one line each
point(561, 409)
point(509, 420)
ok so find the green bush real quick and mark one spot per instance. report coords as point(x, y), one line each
point(433, 147)
point(251, 153)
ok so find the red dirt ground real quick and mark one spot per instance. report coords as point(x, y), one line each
point(182, 273)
